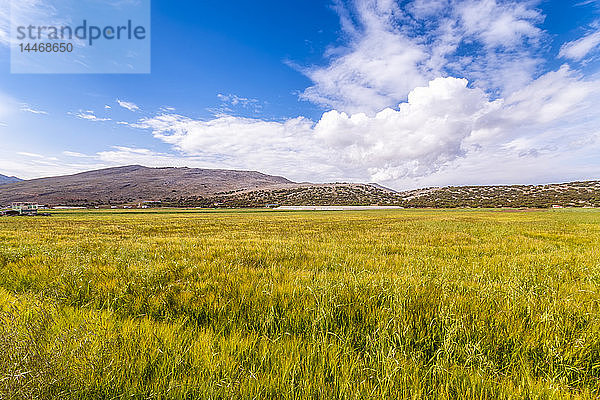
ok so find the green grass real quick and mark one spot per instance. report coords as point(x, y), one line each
point(408, 304)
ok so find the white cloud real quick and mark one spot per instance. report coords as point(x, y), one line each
point(229, 103)
point(504, 167)
point(392, 49)
point(74, 154)
point(442, 125)
point(424, 93)
point(502, 41)
point(123, 155)
point(27, 154)
point(89, 116)
point(377, 68)
point(415, 140)
point(580, 48)
point(506, 24)
point(27, 165)
point(235, 100)
point(422, 9)
point(128, 105)
point(246, 143)
point(23, 12)
point(445, 133)
point(29, 109)
point(551, 97)
point(20, 10)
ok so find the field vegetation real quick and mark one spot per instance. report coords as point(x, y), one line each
point(573, 194)
point(407, 304)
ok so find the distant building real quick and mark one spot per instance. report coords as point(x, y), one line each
point(149, 203)
point(22, 208)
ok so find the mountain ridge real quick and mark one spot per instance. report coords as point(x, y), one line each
point(131, 183)
point(197, 187)
point(4, 179)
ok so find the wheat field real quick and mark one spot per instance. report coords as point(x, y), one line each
point(402, 304)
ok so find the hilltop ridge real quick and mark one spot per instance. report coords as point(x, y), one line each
point(196, 187)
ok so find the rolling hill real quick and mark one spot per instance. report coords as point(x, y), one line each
point(193, 187)
point(574, 194)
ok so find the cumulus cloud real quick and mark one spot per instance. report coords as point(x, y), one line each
point(446, 132)
point(225, 134)
point(247, 143)
point(416, 139)
point(554, 116)
point(420, 93)
point(128, 105)
point(391, 49)
point(441, 125)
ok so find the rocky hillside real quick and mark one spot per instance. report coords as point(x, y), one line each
point(132, 184)
point(191, 187)
point(295, 195)
point(574, 194)
point(8, 179)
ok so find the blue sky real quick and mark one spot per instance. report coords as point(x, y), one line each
point(407, 94)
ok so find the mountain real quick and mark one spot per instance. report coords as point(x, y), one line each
point(132, 184)
point(8, 179)
point(192, 187)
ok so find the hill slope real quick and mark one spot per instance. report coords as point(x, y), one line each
point(8, 179)
point(573, 194)
point(133, 183)
point(304, 194)
point(193, 187)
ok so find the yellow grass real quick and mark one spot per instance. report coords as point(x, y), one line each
point(371, 304)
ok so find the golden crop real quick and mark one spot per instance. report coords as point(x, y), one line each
point(408, 304)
